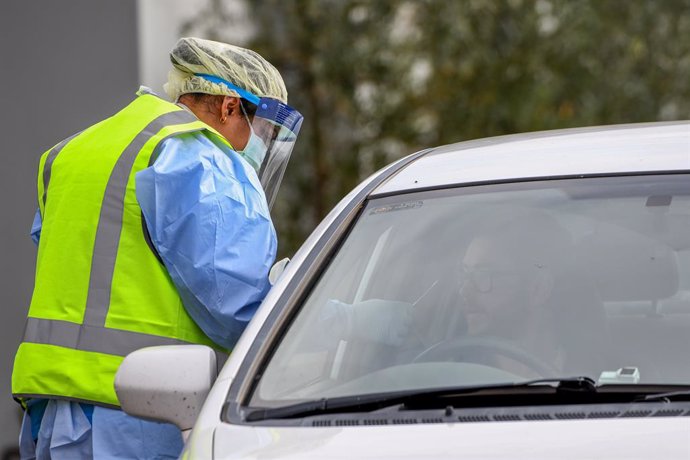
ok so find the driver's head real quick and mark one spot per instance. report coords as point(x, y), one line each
point(508, 271)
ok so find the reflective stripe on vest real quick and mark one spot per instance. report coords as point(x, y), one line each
point(49, 164)
point(90, 338)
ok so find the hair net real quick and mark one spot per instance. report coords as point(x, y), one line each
point(240, 66)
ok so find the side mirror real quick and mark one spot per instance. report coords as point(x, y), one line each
point(166, 383)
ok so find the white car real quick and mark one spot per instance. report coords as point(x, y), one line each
point(524, 296)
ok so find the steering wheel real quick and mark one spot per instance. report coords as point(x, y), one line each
point(478, 346)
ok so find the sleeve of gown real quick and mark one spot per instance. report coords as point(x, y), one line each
point(36, 227)
point(208, 219)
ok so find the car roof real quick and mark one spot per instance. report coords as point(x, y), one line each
point(615, 149)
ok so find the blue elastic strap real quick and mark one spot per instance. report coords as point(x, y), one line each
point(254, 99)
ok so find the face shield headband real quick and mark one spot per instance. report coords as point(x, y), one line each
point(276, 125)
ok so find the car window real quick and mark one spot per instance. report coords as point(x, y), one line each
point(496, 284)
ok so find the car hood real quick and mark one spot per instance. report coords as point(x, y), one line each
point(567, 439)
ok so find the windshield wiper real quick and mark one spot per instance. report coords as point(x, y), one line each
point(582, 383)
point(667, 396)
point(437, 397)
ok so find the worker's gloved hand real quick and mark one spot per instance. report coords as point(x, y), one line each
point(383, 321)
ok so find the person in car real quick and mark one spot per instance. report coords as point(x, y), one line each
point(520, 289)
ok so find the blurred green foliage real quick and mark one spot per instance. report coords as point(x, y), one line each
point(377, 80)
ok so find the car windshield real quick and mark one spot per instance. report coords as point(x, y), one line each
point(496, 284)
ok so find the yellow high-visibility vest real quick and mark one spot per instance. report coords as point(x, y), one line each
point(101, 291)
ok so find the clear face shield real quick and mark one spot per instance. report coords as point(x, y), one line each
point(276, 125)
point(274, 131)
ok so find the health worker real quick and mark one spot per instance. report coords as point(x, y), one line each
point(153, 228)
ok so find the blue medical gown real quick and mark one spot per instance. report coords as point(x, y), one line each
point(69, 430)
point(207, 217)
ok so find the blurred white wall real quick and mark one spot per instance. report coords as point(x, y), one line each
point(159, 23)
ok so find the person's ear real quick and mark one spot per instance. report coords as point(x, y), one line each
point(541, 287)
point(229, 105)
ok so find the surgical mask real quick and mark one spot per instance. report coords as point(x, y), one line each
point(255, 150)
